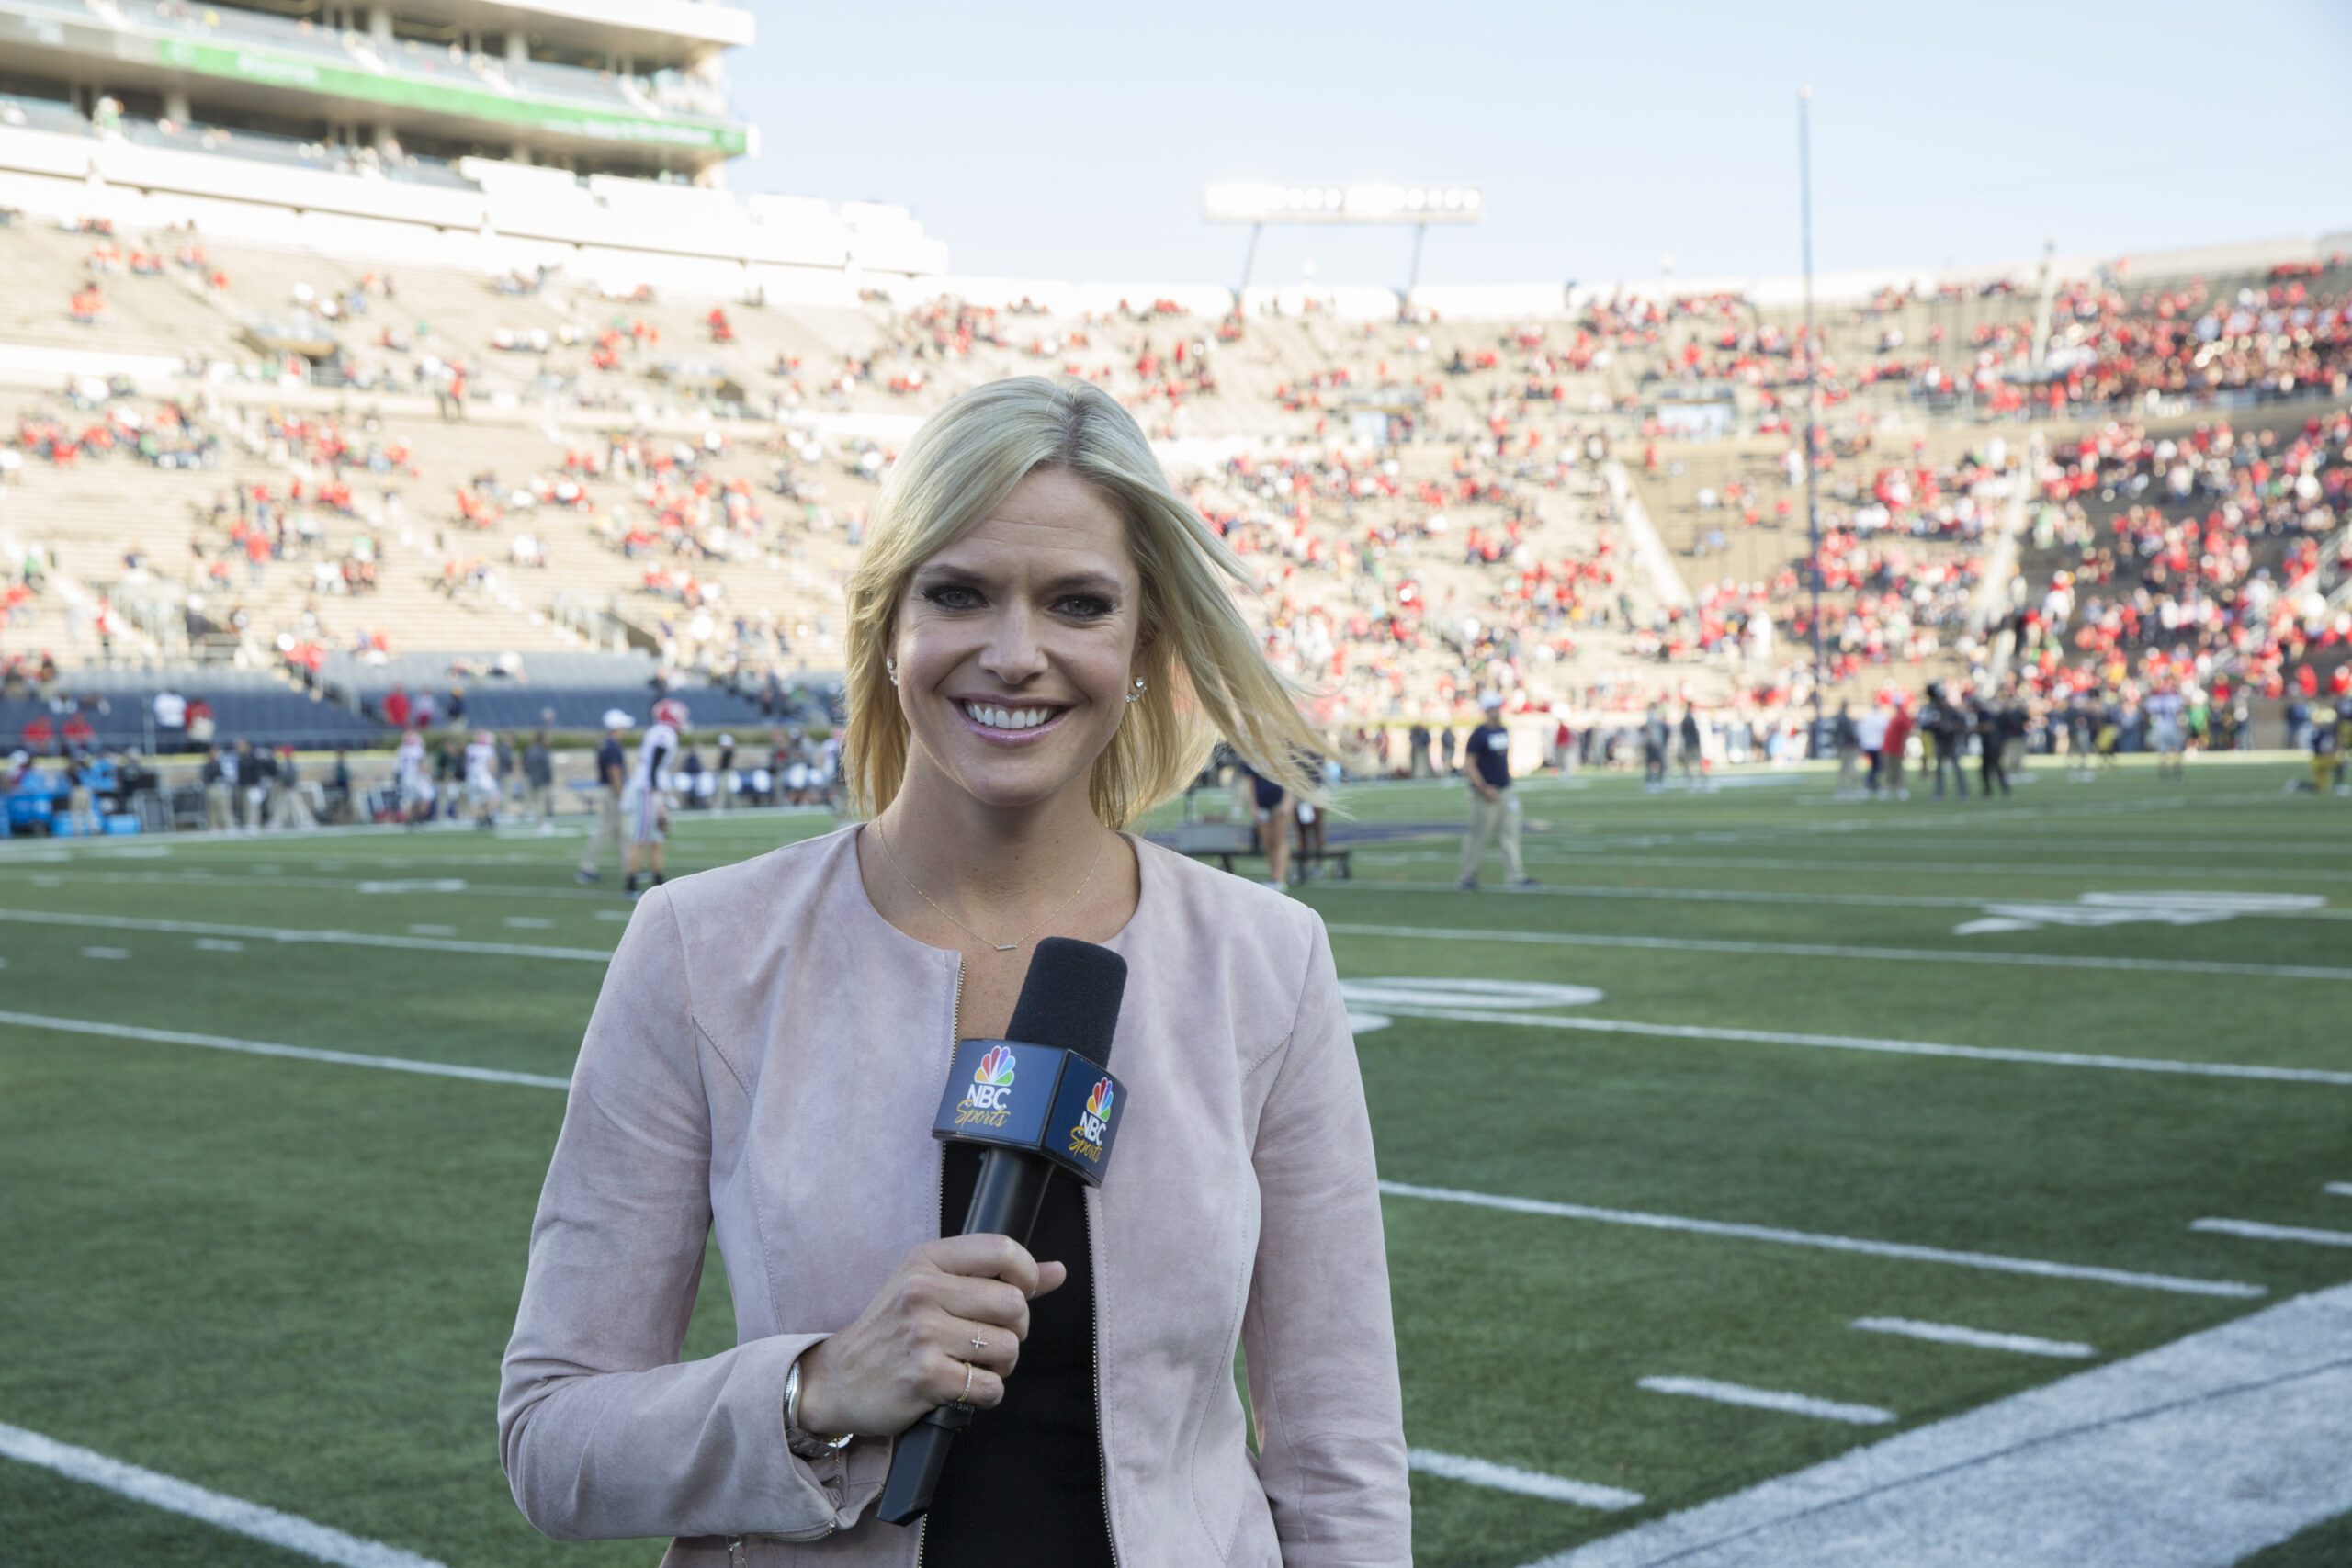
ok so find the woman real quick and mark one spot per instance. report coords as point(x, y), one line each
point(1041, 640)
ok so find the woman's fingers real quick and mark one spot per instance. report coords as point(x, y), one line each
point(987, 1389)
point(986, 1256)
point(991, 1301)
point(1050, 1277)
point(982, 1344)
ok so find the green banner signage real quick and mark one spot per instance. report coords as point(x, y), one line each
point(271, 68)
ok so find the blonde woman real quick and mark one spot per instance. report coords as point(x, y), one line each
point(1042, 642)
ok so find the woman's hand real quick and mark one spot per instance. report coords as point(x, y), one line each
point(906, 1353)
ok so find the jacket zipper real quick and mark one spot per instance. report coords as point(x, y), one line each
point(939, 1183)
point(1094, 1367)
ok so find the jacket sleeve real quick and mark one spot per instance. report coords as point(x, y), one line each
point(1320, 1343)
point(604, 1433)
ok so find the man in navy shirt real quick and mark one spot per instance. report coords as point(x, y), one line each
point(612, 774)
point(1494, 805)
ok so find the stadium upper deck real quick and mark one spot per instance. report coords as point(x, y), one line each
point(582, 84)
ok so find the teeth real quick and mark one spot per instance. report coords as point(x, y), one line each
point(1007, 718)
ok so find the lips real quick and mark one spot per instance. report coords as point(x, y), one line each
point(998, 716)
point(1014, 722)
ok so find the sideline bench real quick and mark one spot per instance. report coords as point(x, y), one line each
point(1223, 841)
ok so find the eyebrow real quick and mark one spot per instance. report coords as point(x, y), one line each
point(1093, 582)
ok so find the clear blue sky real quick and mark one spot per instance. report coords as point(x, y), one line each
point(1050, 138)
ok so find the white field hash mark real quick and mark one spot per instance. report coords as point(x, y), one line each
point(1995, 1262)
point(319, 1542)
point(2255, 1230)
point(2338, 1189)
point(110, 952)
point(1770, 1399)
point(1528, 1483)
point(1982, 1339)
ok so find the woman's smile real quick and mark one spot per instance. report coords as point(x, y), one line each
point(1009, 721)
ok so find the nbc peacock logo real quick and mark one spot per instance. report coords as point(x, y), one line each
point(987, 1098)
point(1093, 1122)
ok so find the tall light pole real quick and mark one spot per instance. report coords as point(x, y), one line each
point(1812, 398)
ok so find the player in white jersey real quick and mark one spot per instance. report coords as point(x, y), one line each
point(2167, 735)
point(645, 801)
point(828, 769)
point(481, 778)
point(412, 783)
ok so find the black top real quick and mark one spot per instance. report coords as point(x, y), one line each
point(1024, 1485)
point(1489, 749)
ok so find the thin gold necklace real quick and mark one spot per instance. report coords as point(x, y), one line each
point(1001, 946)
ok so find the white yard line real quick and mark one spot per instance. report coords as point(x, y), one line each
point(1528, 1483)
point(265, 1048)
point(2255, 1230)
point(1995, 1262)
point(2199, 1453)
point(1775, 898)
point(437, 887)
point(273, 934)
point(1689, 895)
point(1819, 950)
point(1770, 1399)
point(319, 1542)
point(2338, 1189)
point(1864, 865)
point(1890, 1047)
point(1982, 1339)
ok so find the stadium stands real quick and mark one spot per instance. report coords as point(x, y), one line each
point(1596, 511)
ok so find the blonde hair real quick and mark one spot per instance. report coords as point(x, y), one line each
point(1204, 673)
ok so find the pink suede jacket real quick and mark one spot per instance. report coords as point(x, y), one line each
point(764, 1062)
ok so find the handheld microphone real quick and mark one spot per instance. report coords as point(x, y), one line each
point(1036, 1102)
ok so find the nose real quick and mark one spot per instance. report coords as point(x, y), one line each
point(1013, 654)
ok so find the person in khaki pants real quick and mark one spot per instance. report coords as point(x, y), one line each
point(220, 784)
point(612, 773)
point(1494, 805)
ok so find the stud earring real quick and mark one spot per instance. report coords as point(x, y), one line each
point(891, 667)
point(1138, 691)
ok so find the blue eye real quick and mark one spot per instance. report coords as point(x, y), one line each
point(1086, 607)
point(951, 597)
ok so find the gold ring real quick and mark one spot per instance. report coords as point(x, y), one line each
point(966, 1398)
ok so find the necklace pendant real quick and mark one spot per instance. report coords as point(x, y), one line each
point(1005, 947)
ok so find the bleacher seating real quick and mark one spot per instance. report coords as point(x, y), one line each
point(523, 464)
point(257, 705)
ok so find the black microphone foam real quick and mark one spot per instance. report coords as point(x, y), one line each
point(1070, 998)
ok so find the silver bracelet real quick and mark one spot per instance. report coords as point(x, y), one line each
point(793, 1433)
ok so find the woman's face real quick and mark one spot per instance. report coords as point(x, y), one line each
point(1016, 645)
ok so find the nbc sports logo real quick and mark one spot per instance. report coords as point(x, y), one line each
point(991, 1086)
point(1092, 1120)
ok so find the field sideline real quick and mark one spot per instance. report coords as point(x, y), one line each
point(1886, 1112)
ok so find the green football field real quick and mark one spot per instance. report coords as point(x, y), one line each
point(1732, 1080)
